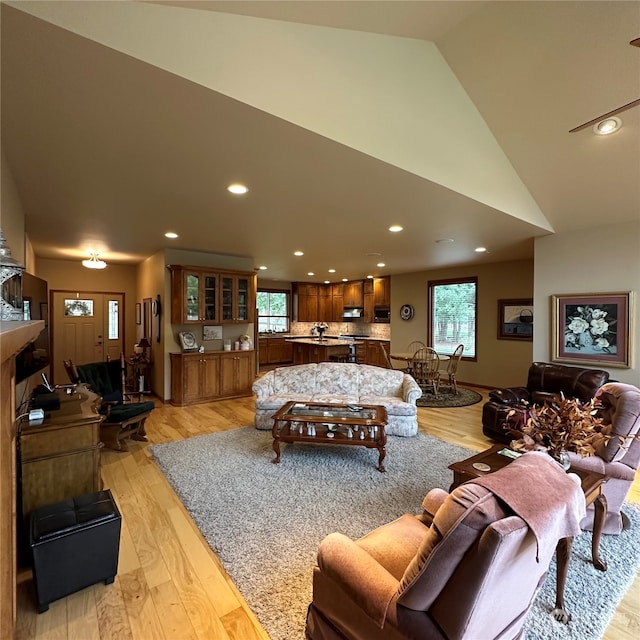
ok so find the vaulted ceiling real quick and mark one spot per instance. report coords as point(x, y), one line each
point(124, 120)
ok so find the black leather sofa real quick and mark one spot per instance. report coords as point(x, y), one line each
point(544, 382)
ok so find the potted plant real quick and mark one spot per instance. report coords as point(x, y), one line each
point(561, 425)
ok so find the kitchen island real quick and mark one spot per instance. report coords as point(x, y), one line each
point(306, 350)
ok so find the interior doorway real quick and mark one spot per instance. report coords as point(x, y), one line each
point(85, 327)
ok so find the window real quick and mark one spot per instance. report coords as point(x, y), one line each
point(273, 311)
point(74, 307)
point(113, 320)
point(452, 315)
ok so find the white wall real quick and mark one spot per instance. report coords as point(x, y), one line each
point(604, 259)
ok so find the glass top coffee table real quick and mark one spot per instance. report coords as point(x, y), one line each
point(326, 423)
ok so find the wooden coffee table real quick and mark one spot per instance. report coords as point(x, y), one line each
point(591, 482)
point(326, 423)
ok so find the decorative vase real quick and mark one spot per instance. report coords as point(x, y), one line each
point(320, 334)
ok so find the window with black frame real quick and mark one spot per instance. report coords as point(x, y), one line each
point(453, 315)
point(273, 311)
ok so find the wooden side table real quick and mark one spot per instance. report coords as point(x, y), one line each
point(591, 483)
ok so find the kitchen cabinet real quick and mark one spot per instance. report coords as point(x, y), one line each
point(307, 352)
point(194, 295)
point(368, 315)
point(305, 302)
point(382, 292)
point(275, 351)
point(209, 376)
point(353, 294)
point(236, 373)
point(237, 298)
point(337, 302)
point(373, 352)
point(325, 304)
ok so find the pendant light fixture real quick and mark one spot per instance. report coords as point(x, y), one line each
point(94, 262)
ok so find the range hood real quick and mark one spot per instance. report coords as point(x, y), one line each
point(352, 313)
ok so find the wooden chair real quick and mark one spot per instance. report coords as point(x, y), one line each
point(452, 368)
point(123, 418)
point(425, 369)
point(385, 357)
point(412, 348)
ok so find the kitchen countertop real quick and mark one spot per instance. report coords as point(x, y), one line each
point(293, 336)
point(326, 341)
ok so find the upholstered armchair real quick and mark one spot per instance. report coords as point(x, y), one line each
point(618, 458)
point(124, 417)
point(545, 381)
point(467, 568)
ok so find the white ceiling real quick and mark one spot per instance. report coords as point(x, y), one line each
point(108, 151)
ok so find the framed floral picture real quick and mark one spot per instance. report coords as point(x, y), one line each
point(592, 329)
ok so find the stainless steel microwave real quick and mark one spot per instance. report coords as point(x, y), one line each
point(381, 314)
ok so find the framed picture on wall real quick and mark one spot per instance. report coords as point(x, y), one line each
point(515, 319)
point(592, 329)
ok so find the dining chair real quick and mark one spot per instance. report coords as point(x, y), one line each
point(452, 368)
point(412, 348)
point(425, 369)
point(385, 357)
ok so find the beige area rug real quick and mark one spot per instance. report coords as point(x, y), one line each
point(265, 521)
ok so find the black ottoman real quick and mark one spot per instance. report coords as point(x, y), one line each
point(74, 544)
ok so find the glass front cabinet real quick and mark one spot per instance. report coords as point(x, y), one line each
point(203, 295)
point(237, 296)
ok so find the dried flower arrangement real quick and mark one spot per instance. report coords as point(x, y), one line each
point(565, 424)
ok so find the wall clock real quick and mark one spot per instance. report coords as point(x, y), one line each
point(406, 312)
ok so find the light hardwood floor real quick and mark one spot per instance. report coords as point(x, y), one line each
point(170, 585)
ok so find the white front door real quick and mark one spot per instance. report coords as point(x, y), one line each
point(85, 327)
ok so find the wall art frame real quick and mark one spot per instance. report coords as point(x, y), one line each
point(515, 319)
point(592, 329)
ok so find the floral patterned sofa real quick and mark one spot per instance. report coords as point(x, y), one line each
point(340, 383)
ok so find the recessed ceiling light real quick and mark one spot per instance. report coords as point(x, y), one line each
point(381, 264)
point(369, 277)
point(607, 126)
point(311, 273)
point(480, 249)
point(345, 279)
point(237, 188)
point(332, 270)
point(262, 268)
point(171, 234)
point(298, 253)
point(444, 240)
point(327, 282)
point(395, 228)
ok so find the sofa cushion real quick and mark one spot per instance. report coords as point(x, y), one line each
point(298, 379)
point(395, 406)
point(375, 381)
point(334, 398)
point(337, 378)
point(276, 400)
